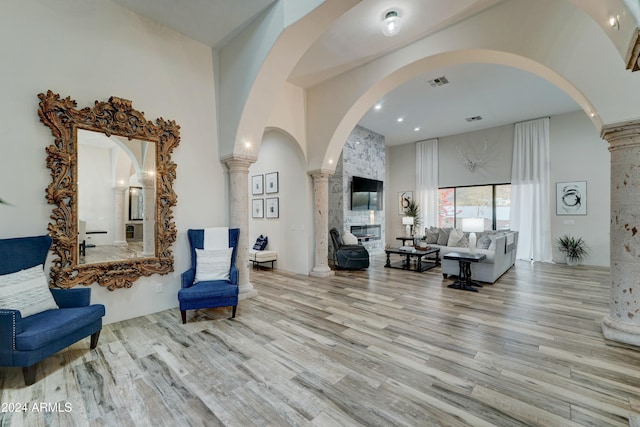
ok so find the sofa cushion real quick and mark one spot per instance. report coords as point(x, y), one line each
point(27, 291)
point(443, 236)
point(43, 328)
point(483, 241)
point(431, 235)
point(457, 239)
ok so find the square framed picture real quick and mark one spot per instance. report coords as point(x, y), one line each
point(271, 182)
point(272, 207)
point(257, 208)
point(571, 198)
point(256, 185)
point(404, 198)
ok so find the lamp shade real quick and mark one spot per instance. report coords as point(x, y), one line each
point(473, 225)
point(407, 220)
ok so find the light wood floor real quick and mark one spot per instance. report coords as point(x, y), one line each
point(375, 348)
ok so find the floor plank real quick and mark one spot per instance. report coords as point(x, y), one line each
point(368, 348)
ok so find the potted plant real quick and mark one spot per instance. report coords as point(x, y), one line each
point(574, 249)
point(413, 210)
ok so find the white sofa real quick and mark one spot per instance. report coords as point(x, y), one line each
point(501, 255)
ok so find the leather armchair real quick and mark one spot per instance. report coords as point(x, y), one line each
point(209, 294)
point(26, 341)
point(348, 257)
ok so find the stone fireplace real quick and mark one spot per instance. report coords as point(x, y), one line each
point(363, 155)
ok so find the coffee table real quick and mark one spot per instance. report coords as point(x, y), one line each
point(423, 260)
point(464, 281)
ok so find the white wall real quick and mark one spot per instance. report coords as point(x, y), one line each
point(577, 154)
point(290, 234)
point(495, 167)
point(91, 50)
point(400, 175)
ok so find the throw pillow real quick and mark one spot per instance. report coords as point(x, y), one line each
point(27, 291)
point(483, 241)
point(348, 238)
point(261, 243)
point(212, 264)
point(443, 236)
point(431, 235)
point(457, 239)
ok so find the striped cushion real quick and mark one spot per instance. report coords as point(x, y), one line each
point(26, 291)
point(213, 264)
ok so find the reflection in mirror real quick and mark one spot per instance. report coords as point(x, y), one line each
point(108, 166)
point(139, 156)
point(135, 204)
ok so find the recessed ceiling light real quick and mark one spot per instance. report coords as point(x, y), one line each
point(400, 119)
point(377, 106)
point(416, 129)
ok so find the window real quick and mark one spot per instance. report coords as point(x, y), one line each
point(491, 202)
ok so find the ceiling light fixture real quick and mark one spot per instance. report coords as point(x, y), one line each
point(400, 119)
point(391, 23)
point(416, 129)
point(377, 106)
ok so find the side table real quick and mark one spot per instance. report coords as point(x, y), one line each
point(464, 281)
point(404, 239)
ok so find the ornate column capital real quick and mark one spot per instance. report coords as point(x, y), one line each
point(622, 134)
point(321, 173)
point(238, 163)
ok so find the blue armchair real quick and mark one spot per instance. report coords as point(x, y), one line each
point(213, 293)
point(26, 341)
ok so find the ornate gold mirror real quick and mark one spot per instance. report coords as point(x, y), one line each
point(100, 156)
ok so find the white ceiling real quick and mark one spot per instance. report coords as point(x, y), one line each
point(207, 21)
point(500, 95)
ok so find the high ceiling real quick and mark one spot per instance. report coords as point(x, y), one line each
point(499, 94)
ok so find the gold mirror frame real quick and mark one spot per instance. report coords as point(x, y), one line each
point(115, 117)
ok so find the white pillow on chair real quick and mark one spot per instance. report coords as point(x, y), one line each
point(212, 264)
point(348, 238)
point(27, 291)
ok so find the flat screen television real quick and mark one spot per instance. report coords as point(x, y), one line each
point(366, 194)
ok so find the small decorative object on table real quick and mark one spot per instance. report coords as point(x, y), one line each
point(574, 249)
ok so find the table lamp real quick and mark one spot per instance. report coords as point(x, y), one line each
point(407, 221)
point(472, 226)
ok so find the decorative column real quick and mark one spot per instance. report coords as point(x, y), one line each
point(623, 322)
point(148, 182)
point(119, 239)
point(321, 222)
point(239, 211)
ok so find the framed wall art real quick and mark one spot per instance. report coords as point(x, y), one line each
point(273, 210)
point(404, 198)
point(257, 208)
point(271, 182)
point(256, 185)
point(571, 198)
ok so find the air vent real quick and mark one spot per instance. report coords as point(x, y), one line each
point(440, 81)
point(474, 118)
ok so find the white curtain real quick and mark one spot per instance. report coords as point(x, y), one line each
point(427, 182)
point(530, 193)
